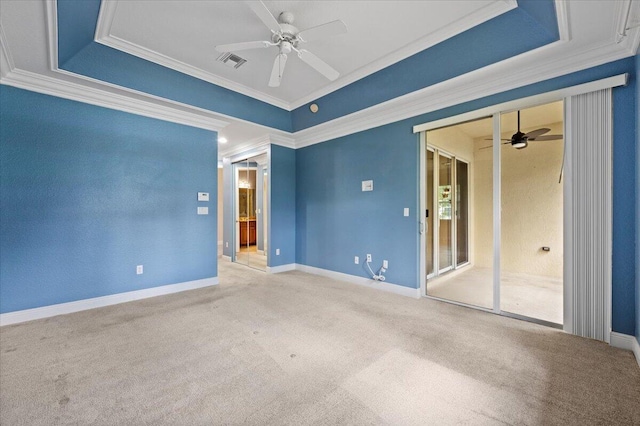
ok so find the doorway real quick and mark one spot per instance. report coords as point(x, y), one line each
point(250, 211)
point(494, 213)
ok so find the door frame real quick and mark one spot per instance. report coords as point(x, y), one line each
point(561, 94)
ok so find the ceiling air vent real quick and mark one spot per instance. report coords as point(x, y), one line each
point(231, 60)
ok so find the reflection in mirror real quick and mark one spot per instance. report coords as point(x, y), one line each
point(251, 212)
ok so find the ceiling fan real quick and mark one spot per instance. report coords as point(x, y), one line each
point(521, 140)
point(288, 38)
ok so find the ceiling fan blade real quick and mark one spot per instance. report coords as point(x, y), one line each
point(318, 64)
point(491, 146)
point(547, 138)
point(535, 133)
point(277, 70)
point(490, 139)
point(322, 31)
point(265, 16)
point(234, 47)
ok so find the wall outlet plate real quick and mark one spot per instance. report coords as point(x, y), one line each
point(367, 185)
point(203, 210)
point(368, 258)
point(277, 252)
point(203, 196)
point(139, 270)
point(385, 264)
point(356, 260)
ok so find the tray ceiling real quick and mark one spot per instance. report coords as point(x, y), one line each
point(183, 34)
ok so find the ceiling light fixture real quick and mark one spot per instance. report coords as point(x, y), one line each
point(222, 140)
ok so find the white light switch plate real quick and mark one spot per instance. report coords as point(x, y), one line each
point(406, 211)
point(367, 185)
point(203, 210)
point(203, 196)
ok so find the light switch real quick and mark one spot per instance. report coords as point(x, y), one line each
point(203, 196)
point(367, 185)
point(203, 210)
point(406, 211)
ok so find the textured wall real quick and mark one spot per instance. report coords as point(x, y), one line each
point(88, 193)
point(532, 201)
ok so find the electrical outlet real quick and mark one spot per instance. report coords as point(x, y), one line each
point(385, 264)
point(356, 260)
point(139, 269)
point(368, 258)
point(226, 244)
point(277, 252)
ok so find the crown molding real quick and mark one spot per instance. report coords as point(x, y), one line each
point(51, 22)
point(257, 143)
point(562, 16)
point(496, 78)
point(103, 36)
point(457, 27)
point(6, 61)
point(82, 93)
point(108, 12)
point(631, 40)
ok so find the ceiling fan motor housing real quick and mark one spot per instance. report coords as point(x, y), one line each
point(289, 34)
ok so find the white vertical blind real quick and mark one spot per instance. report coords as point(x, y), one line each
point(588, 228)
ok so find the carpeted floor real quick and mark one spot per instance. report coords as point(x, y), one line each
point(299, 349)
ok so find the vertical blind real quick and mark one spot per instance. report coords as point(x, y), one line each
point(589, 155)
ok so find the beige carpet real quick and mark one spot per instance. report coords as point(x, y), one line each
point(299, 349)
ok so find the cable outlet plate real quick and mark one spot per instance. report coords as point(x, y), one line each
point(385, 264)
point(368, 258)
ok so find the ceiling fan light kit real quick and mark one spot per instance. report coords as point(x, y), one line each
point(287, 37)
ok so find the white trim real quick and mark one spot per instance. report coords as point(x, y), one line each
point(497, 78)
point(81, 93)
point(108, 10)
point(629, 37)
point(6, 61)
point(98, 302)
point(624, 341)
point(455, 28)
point(562, 16)
point(282, 268)
point(366, 282)
point(52, 32)
point(226, 258)
point(497, 210)
point(567, 220)
point(542, 98)
point(103, 36)
point(423, 224)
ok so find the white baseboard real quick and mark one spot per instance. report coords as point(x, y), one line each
point(624, 341)
point(98, 302)
point(353, 279)
point(281, 268)
point(227, 258)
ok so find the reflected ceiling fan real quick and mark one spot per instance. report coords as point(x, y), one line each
point(521, 140)
point(288, 38)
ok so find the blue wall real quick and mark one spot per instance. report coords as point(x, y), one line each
point(87, 193)
point(78, 53)
point(282, 219)
point(485, 44)
point(335, 221)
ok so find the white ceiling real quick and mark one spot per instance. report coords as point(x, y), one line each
point(182, 35)
point(588, 38)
